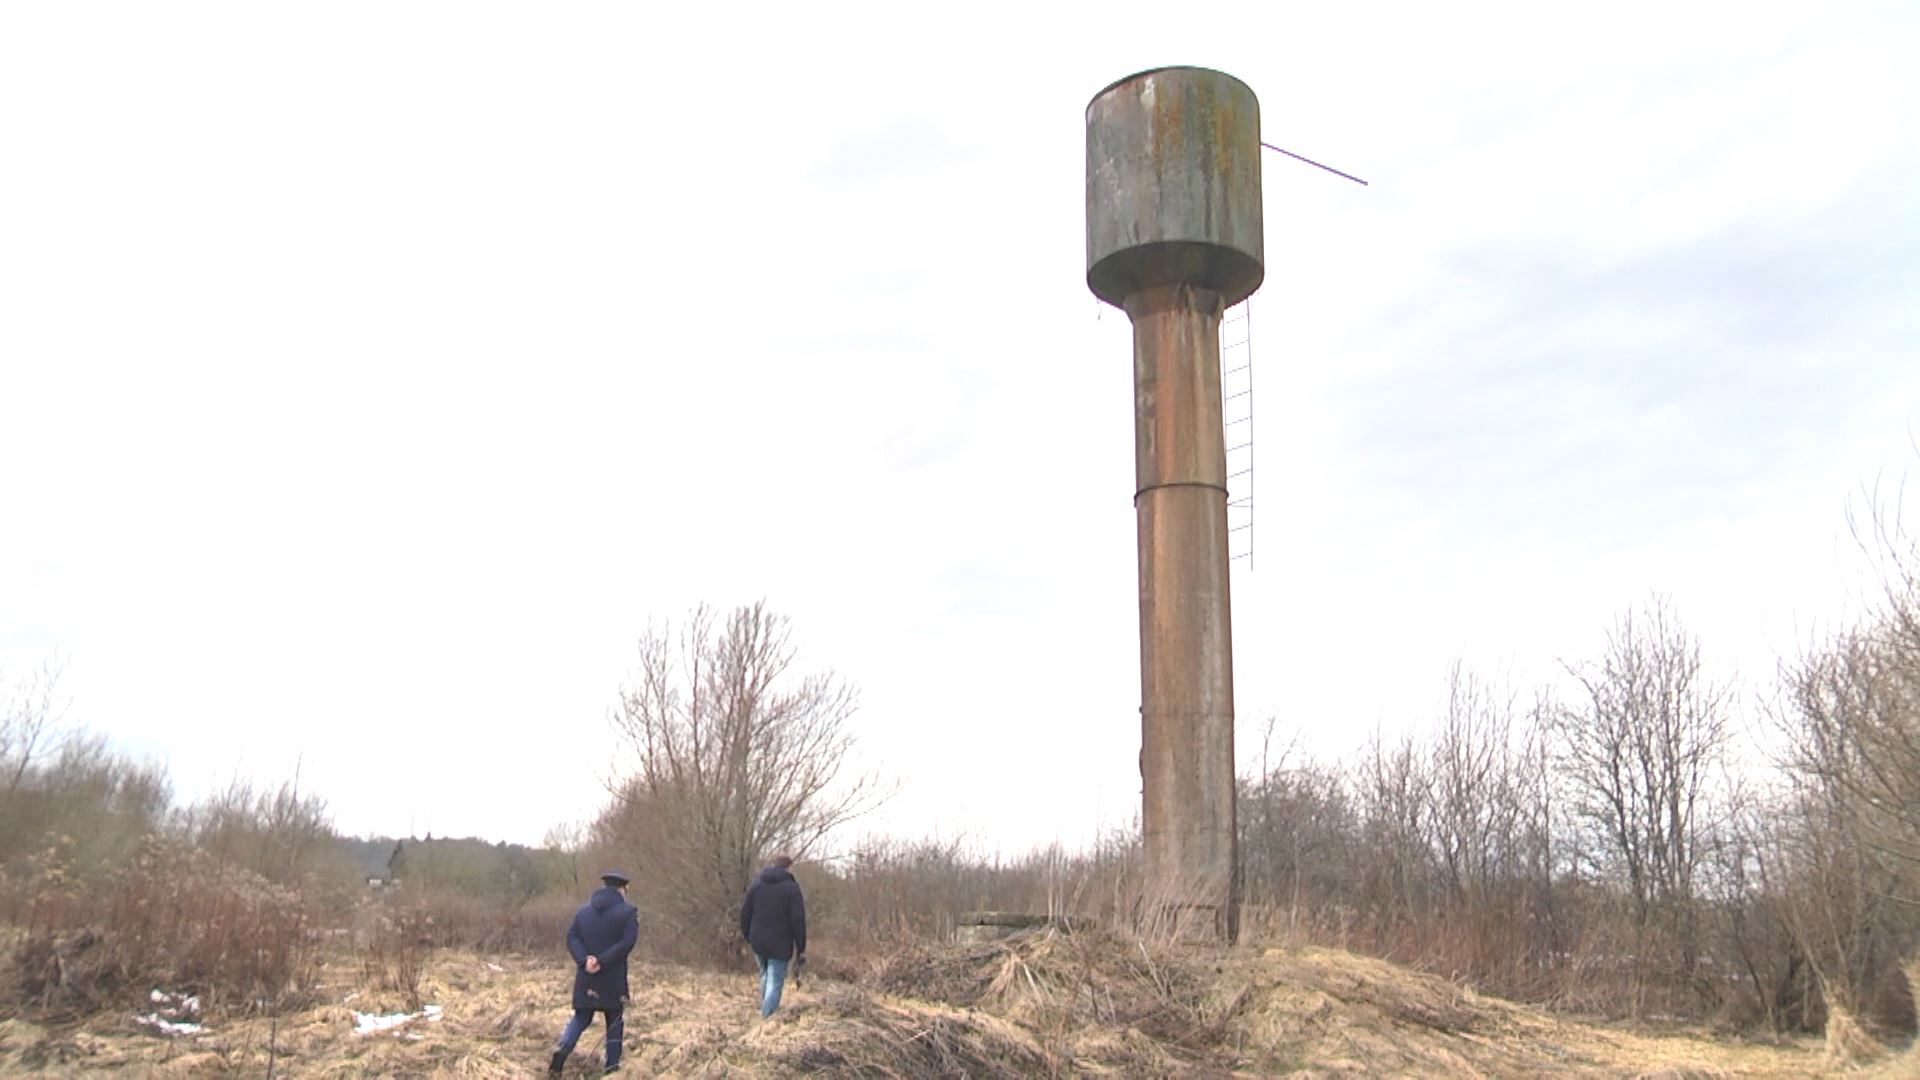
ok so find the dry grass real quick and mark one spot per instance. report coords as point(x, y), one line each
point(1040, 1004)
point(1333, 1013)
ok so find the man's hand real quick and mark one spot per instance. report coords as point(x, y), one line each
point(593, 964)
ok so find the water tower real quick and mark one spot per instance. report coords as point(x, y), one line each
point(1174, 239)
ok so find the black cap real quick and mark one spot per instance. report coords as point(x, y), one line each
point(615, 877)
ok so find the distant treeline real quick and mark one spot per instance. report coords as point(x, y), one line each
point(476, 867)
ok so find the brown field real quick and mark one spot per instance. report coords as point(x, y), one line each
point(1041, 1004)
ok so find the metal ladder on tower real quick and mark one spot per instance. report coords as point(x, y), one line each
point(1236, 416)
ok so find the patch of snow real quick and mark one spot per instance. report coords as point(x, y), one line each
point(369, 1023)
point(181, 1003)
point(168, 1027)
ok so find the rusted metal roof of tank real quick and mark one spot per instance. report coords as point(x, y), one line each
point(1155, 71)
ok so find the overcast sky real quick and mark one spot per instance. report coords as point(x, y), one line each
point(371, 374)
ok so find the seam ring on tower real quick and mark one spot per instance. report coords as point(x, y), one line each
point(1221, 488)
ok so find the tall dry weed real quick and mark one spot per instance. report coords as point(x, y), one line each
point(176, 920)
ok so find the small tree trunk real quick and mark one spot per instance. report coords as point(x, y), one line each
point(1848, 1044)
point(1911, 969)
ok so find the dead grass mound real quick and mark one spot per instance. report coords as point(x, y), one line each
point(1099, 1002)
point(1331, 1013)
point(1060, 983)
point(948, 974)
point(852, 1032)
point(1324, 1012)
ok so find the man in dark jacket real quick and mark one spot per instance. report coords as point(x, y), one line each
point(773, 919)
point(603, 933)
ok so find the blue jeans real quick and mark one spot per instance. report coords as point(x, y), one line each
point(773, 975)
point(583, 1019)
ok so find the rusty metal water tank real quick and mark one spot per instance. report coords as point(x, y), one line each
point(1173, 185)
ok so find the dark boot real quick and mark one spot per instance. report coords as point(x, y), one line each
point(559, 1062)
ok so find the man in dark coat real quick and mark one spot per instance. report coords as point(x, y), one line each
point(604, 931)
point(773, 919)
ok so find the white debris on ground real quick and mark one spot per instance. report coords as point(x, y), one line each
point(369, 1023)
point(169, 1027)
point(175, 1014)
point(188, 1004)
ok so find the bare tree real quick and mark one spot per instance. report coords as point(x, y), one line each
point(1473, 804)
point(1640, 756)
point(1392, 793)
point(1858, 701)
point(735, 754)
point(1762, 946)
point(565, 841)
point(1833, 893)
point(1842, 857)
point(1490, 815)
point(29, 725)
point(1855, 729)
point(1541, 842)
point(1849, 849)
point(1643, 749)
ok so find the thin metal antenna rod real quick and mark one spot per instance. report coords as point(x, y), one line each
point(1316, 164)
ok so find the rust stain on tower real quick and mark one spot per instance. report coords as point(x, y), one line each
point(1173, 239)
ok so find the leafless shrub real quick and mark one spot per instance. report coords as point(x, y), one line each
point(1297, 843)
point(894, 890)
point(1758, 894)
point(735, 754)
point(103, 803)
point(29, 727)
point(282, 834)
point(456, 920)
point(172, 918)
point(1847, 855)
point(398, 946)
point(71, 808)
